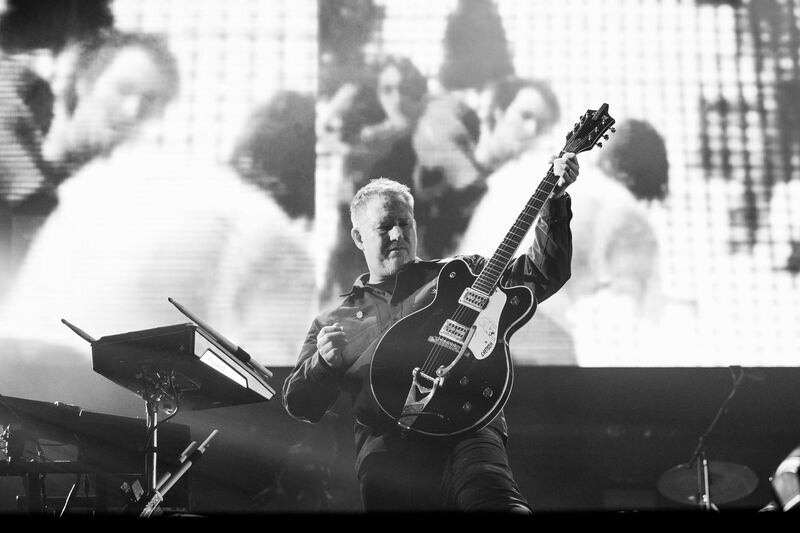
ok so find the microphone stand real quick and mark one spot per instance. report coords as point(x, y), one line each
point(190, 455)
point(699, 459)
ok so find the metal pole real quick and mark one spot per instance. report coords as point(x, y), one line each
point(151, 453)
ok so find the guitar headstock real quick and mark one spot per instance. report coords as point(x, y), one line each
point(587, 133)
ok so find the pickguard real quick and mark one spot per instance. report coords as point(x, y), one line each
point(485, 338)
point(431, 372)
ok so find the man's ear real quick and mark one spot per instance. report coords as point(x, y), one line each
point(356, 235)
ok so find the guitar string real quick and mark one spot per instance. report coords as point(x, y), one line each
point(437, 354)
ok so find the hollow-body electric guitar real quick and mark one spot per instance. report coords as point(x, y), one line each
point(446, 368)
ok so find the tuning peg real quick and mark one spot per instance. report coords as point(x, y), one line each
point(613, 130)
point(599, 145)
point(605, 137)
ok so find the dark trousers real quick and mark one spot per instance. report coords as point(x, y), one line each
point(469, 474)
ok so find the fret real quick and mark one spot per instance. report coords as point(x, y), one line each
point(464, 358)
point(583, 137)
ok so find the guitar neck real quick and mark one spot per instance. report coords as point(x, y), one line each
point(586, 133)
point(489, 277)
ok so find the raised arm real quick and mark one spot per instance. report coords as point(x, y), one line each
point(546, 265)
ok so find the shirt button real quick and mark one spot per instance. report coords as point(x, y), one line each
point(360, 315)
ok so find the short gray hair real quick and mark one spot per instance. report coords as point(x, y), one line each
point(379, 187)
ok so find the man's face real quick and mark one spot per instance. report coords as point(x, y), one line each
point(387, 234)
point(108, 111)
point(395, 97)
point(515, 130)
point(525, 116)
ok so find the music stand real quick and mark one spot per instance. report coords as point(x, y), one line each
point(184, 365)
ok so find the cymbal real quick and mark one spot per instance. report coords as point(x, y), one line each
point(728, 482)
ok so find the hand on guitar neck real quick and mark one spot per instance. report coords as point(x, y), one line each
point(446, 368)
point(567, 169)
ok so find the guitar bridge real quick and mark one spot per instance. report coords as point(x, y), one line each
point(444, 343)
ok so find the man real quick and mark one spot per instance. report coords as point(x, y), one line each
point(397, 470)
point(138, 223)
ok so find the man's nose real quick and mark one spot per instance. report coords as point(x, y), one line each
point(395, 234)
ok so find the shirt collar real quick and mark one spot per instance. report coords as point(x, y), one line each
point(360, 284)
point(358, 287)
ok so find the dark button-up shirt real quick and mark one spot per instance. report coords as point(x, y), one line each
point(367, 312)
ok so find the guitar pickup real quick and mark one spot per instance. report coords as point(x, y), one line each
point(444, 343)
point(454, 331)
point(474, 299)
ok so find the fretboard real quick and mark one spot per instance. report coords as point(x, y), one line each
point(490, 275)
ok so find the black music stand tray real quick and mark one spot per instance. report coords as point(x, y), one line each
point(186, 366)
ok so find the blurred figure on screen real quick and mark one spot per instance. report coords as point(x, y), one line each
point(432, 139)
point(109, 89)
point(138, 223)
point(32, 33)
point(638, 160)
point(619, 250)
point(391, 126)
point(614, 304)
point(609, 311)
point(449, 181)
point(371, 122)
point(26, 112)
point(276, 151)
point(516, 116)
point(370, 126)
point(27, 182)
